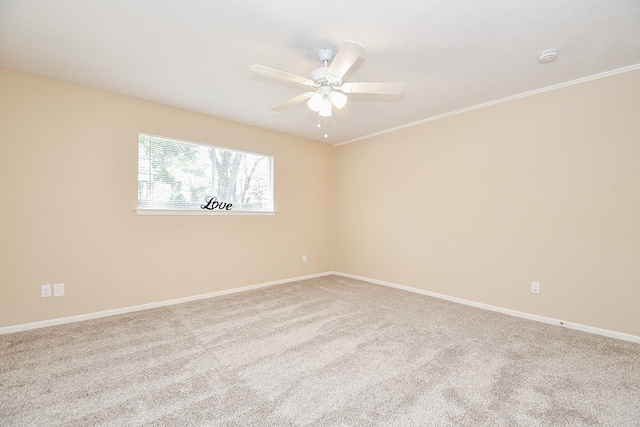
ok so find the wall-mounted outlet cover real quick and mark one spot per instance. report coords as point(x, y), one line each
point(535, 287)
point(45, 291)
point(58, 290)
point(304, 258)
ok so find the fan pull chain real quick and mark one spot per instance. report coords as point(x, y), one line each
point(325, 135)
point(325, 126)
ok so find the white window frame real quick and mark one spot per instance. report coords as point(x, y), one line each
point(140, 210)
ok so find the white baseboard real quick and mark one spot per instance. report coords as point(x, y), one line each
point(99, 314)
point(529, 316)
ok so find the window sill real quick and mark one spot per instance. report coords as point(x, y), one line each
point(178, 212)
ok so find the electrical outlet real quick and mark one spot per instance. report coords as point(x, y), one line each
point(58, 290)
point(535, 287)
point(304, 258)
point(45, 291)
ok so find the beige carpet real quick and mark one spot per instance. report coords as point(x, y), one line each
point(325, 352)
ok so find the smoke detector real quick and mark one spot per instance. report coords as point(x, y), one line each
point(547, 55)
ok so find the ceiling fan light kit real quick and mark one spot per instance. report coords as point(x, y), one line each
point(329, 89)
point(325, 109)
point(315, 102)
point(339, 100)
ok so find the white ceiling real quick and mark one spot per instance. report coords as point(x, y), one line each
point(195, 54)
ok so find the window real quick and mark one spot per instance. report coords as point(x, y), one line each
point(184, 176)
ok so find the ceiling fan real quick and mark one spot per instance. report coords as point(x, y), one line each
point(327, 89)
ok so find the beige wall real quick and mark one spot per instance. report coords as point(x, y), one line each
point(478, 205)
point(68, 180)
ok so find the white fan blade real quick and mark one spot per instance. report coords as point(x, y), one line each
point(345, 58)
point(261, 69)
point(293, 101)
point(382, 88)
point(343, 114)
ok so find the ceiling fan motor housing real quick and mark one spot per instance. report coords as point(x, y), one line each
point(319, 75)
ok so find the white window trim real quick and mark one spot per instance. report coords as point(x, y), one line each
point(186, 212)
